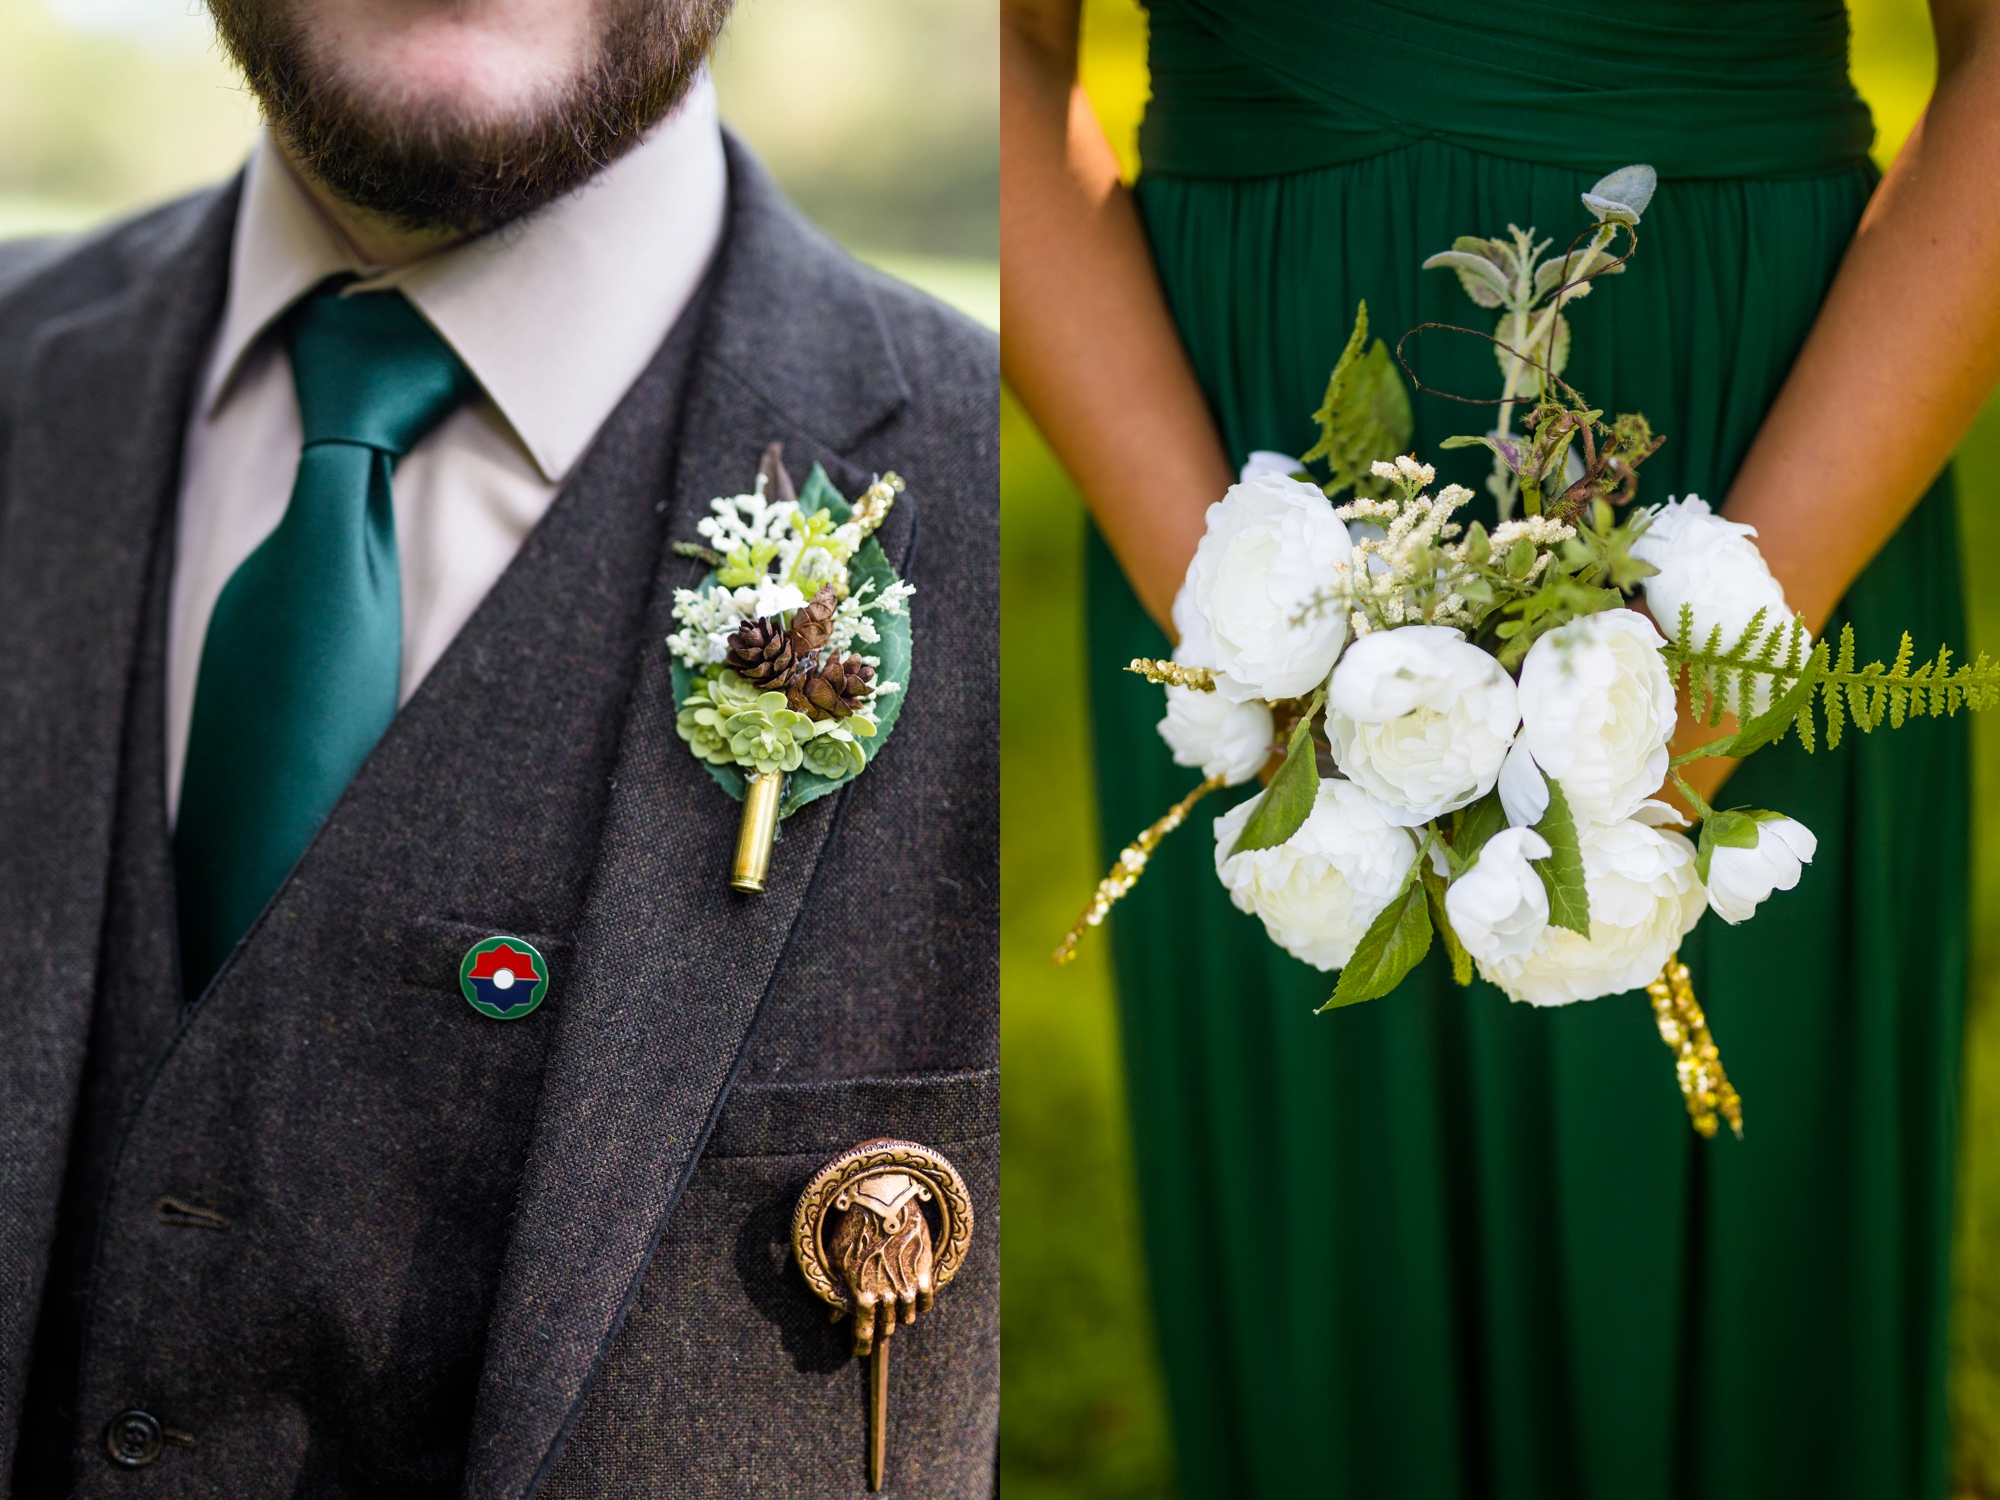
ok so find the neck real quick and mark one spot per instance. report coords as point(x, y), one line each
point(374, 239)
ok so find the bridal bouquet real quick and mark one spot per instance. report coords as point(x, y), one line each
point(1474, 723)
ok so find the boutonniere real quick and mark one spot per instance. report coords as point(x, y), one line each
point(793, 654)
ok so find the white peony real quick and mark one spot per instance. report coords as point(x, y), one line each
point(1267, 461)
point(1269, 550)
point(1739, 880)
point(1710, 565)
point(1597, 709)
point(1317, 892)
point(1421, 718)
point(1644, 898)
point(1230, 740)
point(1500, 907)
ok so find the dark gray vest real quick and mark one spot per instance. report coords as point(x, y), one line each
point(478, 814)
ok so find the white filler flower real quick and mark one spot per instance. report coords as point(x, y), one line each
point(1421, 718)
point(1740, 880)
point(1269, 551)
point(1644, 898)
point(1499, 908)
point(1318, 891)
point(1597, 709)
point(1230, 740)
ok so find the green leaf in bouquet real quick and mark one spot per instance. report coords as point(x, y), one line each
point(1288, 801)
point(1472, 826)
point(1364, 417)
point(1735, 829)
point(1394, 944)
point(1562, 871)
point(1434, 888)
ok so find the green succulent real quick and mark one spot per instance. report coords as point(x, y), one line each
point(729, 692)
point(832, 752)
point(767, 736)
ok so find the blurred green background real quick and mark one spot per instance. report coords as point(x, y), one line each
point(878, 116)
point(1082, 1412)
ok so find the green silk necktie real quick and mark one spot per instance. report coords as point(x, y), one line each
point(303, 657)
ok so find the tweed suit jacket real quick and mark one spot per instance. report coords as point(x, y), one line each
point(345, 1237)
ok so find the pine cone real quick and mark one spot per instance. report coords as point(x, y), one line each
point(761, 654)
point(834, 689)
point(812, 627)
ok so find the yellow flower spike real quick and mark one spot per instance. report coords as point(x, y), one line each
point(1697, 1063)
point(1131, 865)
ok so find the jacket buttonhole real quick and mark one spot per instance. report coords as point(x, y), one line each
point(189, 1213)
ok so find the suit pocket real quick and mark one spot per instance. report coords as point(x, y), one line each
point(729, 1379)
point(828, 1116)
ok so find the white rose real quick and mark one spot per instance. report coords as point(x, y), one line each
point(1739, 880)
point(1318, 891)
point(1422, 718)
point(1230, 740)
point(1597, 709)
point(1499, 907)
point(1269, 550)
point(1644, 898)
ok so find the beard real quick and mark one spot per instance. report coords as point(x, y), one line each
point(433, 165)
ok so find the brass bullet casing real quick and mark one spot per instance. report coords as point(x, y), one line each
point(754, 835)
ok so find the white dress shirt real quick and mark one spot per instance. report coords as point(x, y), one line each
point(555, 316)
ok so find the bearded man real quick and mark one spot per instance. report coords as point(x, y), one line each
point(337, 512)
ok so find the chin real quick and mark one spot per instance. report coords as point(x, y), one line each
point(480, 62)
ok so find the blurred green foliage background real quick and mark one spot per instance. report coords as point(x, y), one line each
point(1082, 1414)
point(878, 116)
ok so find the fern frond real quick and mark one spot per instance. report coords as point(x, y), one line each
point(1845, 694)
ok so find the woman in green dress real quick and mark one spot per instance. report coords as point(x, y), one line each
point(1442, 1245)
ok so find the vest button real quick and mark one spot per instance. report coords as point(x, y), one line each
point(133, 1439)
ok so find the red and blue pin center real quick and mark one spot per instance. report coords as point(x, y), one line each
point(503, 977)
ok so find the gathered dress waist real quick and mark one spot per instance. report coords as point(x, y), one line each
point(1696, 88)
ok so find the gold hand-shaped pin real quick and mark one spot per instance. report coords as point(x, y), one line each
point(878, 1263)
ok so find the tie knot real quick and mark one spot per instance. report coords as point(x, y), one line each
point(370, 370)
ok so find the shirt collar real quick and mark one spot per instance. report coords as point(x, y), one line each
point(555, 315)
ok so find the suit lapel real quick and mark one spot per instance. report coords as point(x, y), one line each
point(671, 968)
point(91, 476)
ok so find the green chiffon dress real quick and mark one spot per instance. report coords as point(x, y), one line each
point(1442, 1245)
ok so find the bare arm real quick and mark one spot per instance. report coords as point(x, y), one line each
point(1089, 346)
point(1905, 350)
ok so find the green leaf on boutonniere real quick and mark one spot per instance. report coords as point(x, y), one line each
point(1562, 871)
point(1394, 944)
point(1288, 801)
